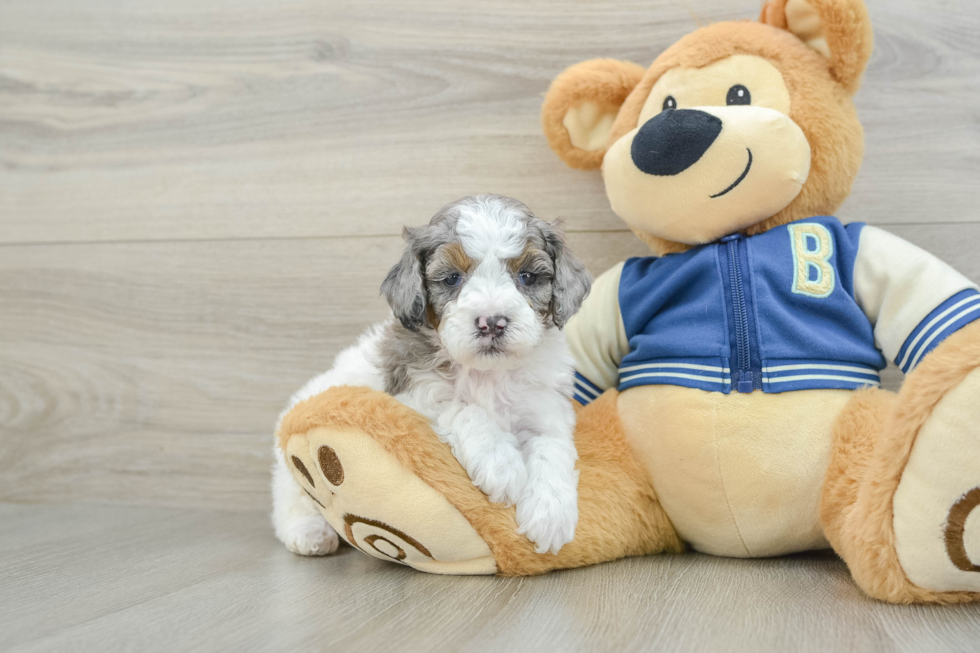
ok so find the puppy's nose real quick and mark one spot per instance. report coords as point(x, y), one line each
point(673, 140)
point(492, 325)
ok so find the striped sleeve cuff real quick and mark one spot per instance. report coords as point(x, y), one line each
point(585, 391)
point(950, 316)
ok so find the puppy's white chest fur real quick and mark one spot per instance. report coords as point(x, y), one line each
point(514, 398)
point(491, 390)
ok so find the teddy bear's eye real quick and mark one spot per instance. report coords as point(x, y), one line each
point(670, 103)
point(738, 94)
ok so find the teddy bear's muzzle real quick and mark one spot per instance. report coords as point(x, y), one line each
point(695, 175)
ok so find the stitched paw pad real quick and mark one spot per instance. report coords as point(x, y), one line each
point(374, 503)
point(936, 507)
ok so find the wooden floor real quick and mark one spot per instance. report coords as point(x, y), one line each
point(111, 578)
point(198, 200)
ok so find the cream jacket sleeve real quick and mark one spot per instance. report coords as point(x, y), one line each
point(913, 299)
point(597, 338)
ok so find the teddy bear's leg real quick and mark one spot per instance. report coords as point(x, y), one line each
point(901, 494)
point(390, 488)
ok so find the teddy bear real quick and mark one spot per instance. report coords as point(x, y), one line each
point(727, 386)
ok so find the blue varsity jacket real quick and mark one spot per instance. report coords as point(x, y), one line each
point(811, 304)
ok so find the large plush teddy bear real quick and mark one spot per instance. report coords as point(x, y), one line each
point(729, 384)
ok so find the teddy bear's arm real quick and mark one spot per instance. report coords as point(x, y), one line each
point(597, 338)
point(913, 299)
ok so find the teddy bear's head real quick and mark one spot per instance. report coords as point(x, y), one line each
point(737, 127)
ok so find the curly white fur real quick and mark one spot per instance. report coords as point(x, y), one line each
point(503, 409)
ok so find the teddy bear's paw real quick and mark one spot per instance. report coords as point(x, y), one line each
point(500, 473)
point(310, 535)
point(373, 502)
point(936, 507)
point(547, 514)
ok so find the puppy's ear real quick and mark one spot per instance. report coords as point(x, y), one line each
point(581, 106)
point(840, 30)
point(572, 281)
point(404, 287)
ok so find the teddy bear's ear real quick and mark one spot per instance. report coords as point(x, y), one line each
point(840, 30)
point(581, 106)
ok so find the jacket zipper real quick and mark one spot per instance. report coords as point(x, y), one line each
point(743, 353)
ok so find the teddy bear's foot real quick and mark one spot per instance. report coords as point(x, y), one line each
point(937, 503)
point(390, 488)
point(901, 495)
point(372, 501)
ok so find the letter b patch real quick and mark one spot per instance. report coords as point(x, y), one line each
point(812, 248)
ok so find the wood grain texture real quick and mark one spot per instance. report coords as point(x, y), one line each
point(96, 578)
point(191, 119)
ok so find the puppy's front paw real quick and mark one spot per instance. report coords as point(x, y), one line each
point(310, 535)
point(501, 474)
point(548, 514)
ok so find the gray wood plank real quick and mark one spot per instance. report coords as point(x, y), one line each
point(96, 578)
point(140, 120)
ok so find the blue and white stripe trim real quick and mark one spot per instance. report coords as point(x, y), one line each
point(953, 314)
point(712, 374)
point(788, 375)
point(585, 392)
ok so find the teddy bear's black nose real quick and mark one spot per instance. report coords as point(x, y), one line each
point(673, 140)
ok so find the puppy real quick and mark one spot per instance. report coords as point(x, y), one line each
point(480, 296)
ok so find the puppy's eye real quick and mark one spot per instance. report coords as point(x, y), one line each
point(453, 280)
point(670, 103)
point(527, 278)
point(738, 94)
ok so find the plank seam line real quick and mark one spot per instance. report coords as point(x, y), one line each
point(245, 239)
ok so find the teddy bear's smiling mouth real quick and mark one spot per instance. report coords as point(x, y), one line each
point(740, 177)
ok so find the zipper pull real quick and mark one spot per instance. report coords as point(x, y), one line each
point(731, 237)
